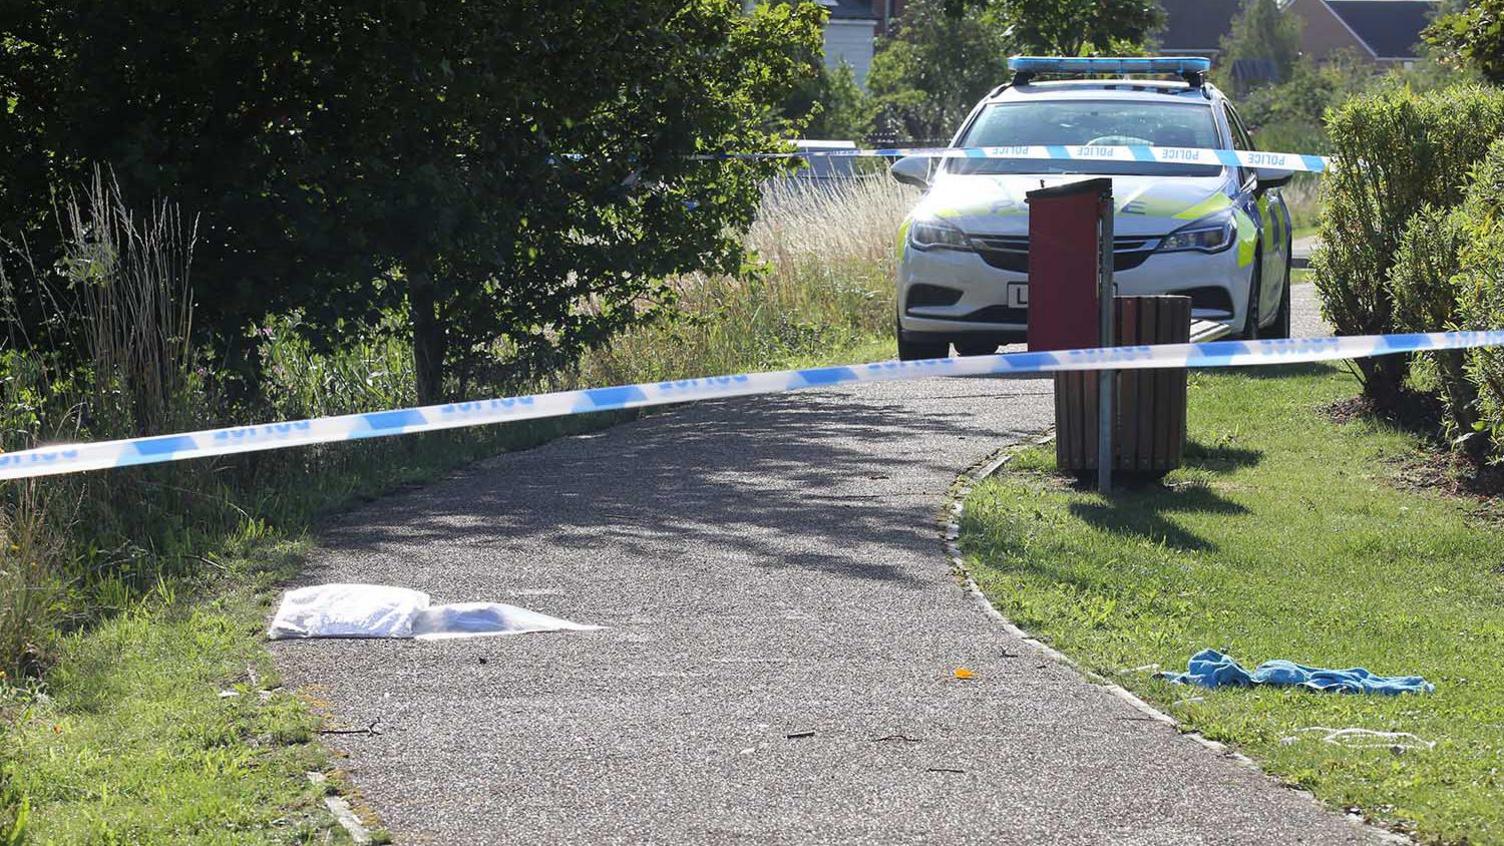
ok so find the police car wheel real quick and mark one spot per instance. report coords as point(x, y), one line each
point(1251, 321)
point(919, 350)
point(1280, 328)
point(975, 348)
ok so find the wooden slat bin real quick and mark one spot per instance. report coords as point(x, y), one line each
point(1149, 405)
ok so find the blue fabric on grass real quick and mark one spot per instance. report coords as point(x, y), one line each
point(1210, 668)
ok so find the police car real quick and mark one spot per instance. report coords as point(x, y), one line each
point(1218, 234)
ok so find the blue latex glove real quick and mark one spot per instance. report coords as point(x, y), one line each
point(1210, 668)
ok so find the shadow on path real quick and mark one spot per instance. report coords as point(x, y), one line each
point(741, 472)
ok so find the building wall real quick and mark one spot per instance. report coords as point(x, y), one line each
point(886, 12)
point(850, 41)
point(1323, 33)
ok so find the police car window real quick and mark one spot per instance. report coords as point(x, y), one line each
point(1241, 140)
point(1079, 122)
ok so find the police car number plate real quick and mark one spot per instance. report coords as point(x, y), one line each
point(1018, 295)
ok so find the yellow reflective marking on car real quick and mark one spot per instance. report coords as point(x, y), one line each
point(1211, 205)
point(1248, 236)
point(903, 238)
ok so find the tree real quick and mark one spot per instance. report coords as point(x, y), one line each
point(1290, 116)
point(942, 58)
point(546, 184)
point(1262, 47)
point(1080, 27)
point(516, 174)
point(833, 105)
point(203, 103)
point(1471, 37)
point(946, 54)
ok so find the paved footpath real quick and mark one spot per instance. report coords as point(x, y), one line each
point(783, 628)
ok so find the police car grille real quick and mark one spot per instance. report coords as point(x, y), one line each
point(1011, 252)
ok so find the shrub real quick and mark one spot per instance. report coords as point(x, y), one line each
point(834, 104)
point(1426, 288)
point(1395, 152)
point(1481, 289)
point(929, 73)
point(1260, 34)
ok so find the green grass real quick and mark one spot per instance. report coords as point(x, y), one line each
point(134, 743)
point(128, 740)
point(1286, 535)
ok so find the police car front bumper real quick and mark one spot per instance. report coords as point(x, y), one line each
point(953, 294)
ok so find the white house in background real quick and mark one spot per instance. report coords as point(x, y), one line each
point(851, 31)
point(850, 36)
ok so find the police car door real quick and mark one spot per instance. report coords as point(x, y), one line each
point(1268, 210)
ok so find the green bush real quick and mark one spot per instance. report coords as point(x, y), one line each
point(1481, 290)
point(1395, 152)
point(1471, 38)
point(1425, 283)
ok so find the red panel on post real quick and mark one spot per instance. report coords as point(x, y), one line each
point(1064, 265)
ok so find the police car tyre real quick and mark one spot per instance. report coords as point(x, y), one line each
point(976, 347)
point(921, 350)
point(1255, 293)
point(1280, 328)
point(918, 350)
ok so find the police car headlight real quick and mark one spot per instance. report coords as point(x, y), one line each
point(934, 235)
point(1211, 234)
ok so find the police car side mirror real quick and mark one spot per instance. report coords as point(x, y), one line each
point(1272, 177)
point(912, 170)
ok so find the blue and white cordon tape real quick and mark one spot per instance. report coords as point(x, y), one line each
point(1086, 153)
point(75, 458)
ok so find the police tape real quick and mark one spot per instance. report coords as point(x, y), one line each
point(75, 458)
point(1085, 153)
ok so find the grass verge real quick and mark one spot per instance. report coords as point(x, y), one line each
point(1286, 535)
point(166, 724)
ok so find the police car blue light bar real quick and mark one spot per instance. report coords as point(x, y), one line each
point(1139, 64)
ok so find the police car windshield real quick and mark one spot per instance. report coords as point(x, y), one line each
point(1090, 122)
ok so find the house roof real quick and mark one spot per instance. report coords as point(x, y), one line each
point(848, 10)
point(1390, 28)
point(1197, 24)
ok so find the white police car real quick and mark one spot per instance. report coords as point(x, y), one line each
point(1218, 234)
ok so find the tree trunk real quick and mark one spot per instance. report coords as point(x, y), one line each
point(1462, 398)
point(429, 339)
point(1384, 380)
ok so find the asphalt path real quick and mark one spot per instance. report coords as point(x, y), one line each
point(778, 663)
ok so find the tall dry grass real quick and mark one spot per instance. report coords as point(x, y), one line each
point(130, 278)
point(115, 359)
point(841, 223)
point(34, 522)
point(827, 284)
